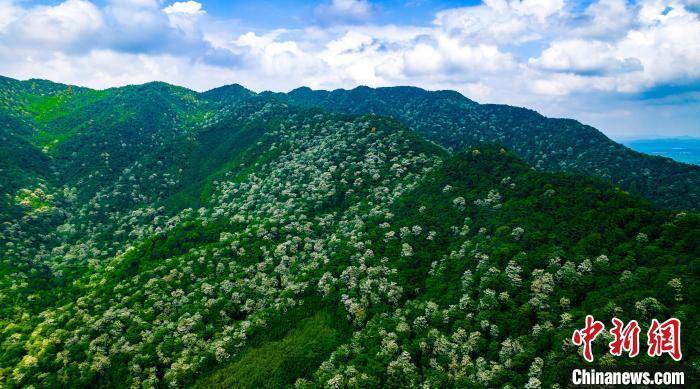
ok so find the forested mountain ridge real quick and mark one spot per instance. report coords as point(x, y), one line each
point(456, 122)
point(446, 117)
point(236, 239)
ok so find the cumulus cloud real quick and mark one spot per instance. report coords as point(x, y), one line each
point(67, 25)
point(8, 13)
point(585, 58)
point(447, 56)
point(185, 7)
point(79, 27)
point(605, 19)
point(501, 21)
point(661, 45)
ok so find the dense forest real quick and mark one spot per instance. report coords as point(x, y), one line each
point(456, 122)
point(153, 236)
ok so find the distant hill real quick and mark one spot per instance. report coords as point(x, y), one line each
point(445, 117)
point(456, 122)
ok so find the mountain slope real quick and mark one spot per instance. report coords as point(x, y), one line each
point(456, 122)
point(445, 117)
point(246, 241)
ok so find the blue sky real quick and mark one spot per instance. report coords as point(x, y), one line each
point(270, 14)
point(629, 67)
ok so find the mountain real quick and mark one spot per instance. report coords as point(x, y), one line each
point(452, 120)
point(154, 236)
point(445, 117)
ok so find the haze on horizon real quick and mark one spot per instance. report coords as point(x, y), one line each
point(629, 68)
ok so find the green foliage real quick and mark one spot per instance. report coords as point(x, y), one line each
point(457, 123)
point(153, 236)
point(280, 363)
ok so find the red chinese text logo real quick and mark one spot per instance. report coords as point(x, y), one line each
point(665, 338)
point(626, 338)
point(662, 338)
point(587, 335)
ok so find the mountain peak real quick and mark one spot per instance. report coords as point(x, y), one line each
point(227, 92)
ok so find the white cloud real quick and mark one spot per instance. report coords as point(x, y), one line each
point(500, 21)
point(184, 16)
point(345, 11)
point(9, 12)
point(450, 57)
point(466, 46)
point(277, 61)
point(79, 27)
point(68, 24)
point(375, 56)
point(585, 57)
point(563, 84)
point(185, 7)
point(541, 9)
point(661, 46)
point(107, 68)
point(667, 43)
point(606, 19)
